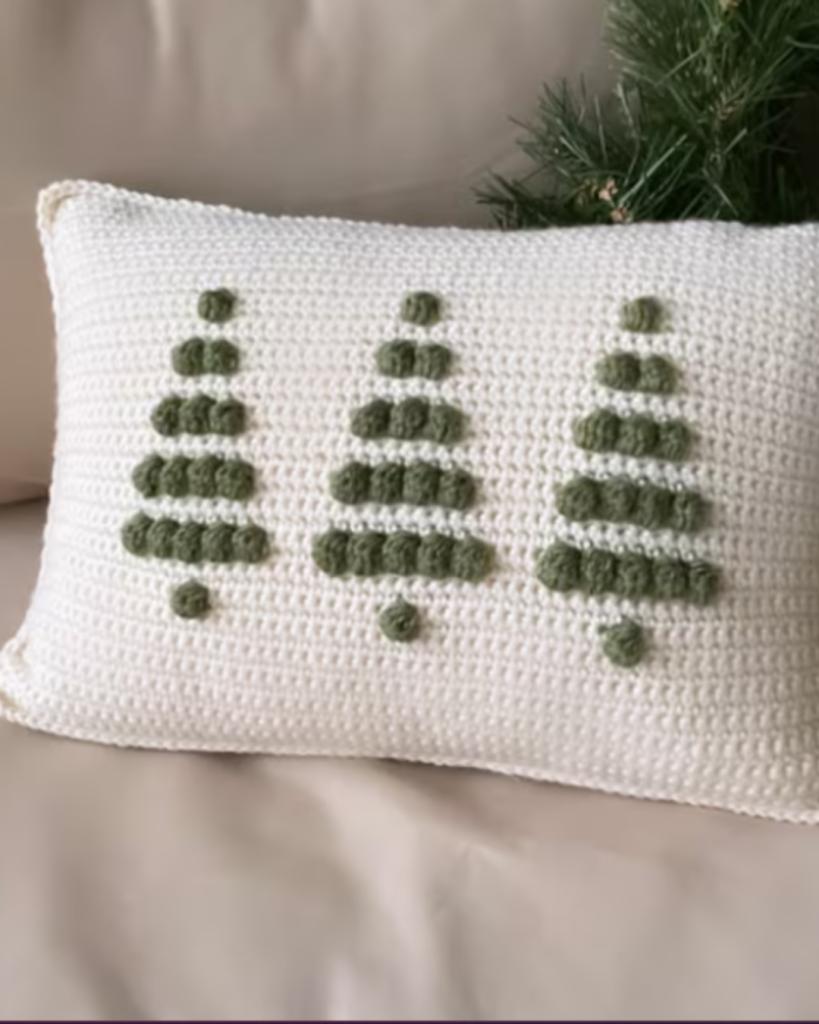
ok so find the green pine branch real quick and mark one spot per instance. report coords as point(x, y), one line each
point(701, 123)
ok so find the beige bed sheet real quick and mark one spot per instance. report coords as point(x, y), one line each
point(148, 885)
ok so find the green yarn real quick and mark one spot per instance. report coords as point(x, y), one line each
point(471, 560)
point(435, 555)
point(619, 371)
point(165, 417)
point(421, 480)
point(396, 358)
point(623, 371)
point(408, 419)
point(402, 359)
point(559, 568)
point(642, 316)
point(364, 554)
point(161, 535)
point(580, 499)
point(191, 600)
point(456, 490)
point(227, 418)
point(421, 308)
point(564, 568)
point(146, 477)
point(217, 542)
point(598, 572)
point(618, 500)
point(351, 485)
point(674, 441)
point(400, 554)
point(173, 480)
point(400, 622)
point(235, 480)
point(689, 512)
point(216, 306)
point(387, 483)
point(220, 358)
point(188, 358)
point(637, 437)
point(330, 552)
point(624, 644)
point(372, 421)
point(432, 362)
point(444, 425)
point(187, 543)
point(135, 534)
point(658, 376)
point(703, 583)
point(598, 432)
point(194, 414)
point(202, 476)
point(653, 508)
point(250, 544)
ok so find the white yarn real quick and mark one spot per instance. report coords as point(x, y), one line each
point(506, 675)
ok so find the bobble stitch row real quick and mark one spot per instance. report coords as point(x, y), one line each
point(210, 476)
point(389, 483)
point(637, 436)
point(624, 371)
point(193, 542)
point(200, 415)
point(402, 359)
point(433, 555)
point(412, 419)
point(619, 500)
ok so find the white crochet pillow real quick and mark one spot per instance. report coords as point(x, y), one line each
point(545, 503)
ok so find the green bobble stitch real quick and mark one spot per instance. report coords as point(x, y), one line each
point(638, 436)
point(220, 357)
point(598, 572)
point(435, 556)
point(147, 476)
point(400, 622)
point(235, 480)
point(202, 476)
point(161, 536)
point(579, 499)
point(194, 414)
point(703, 583)
point(372, 421)
point(190, 600)
point(400, 553)
point(165, 417)
point(387, 483)
point(188, 358)
point(364, 552)
point(624, 643)
point(673, 441)
point(689, 511)
point(135, 534)
point(330, 552)
point(642, 316)
point(670, 581)
point(227, 418)
point(217, 542)
point(250, 544)
point(421, 308)
point(396, 359)
point(173, 479)
point(445, 425)
point(408, 419)
point(187, 543)
point(658, 376)
point(351, 485)
point(598, 432)
point(433, 362)
point(653, 508)
point(619, 371)
point(618, 499)
point(456, 489)
point(471, 560)
point(559, 568)
point(634, 577)
point(216, 306)
point(421, 481)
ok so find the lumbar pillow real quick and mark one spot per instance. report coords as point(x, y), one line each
point(543, 502)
